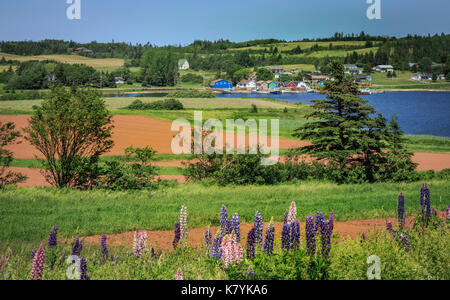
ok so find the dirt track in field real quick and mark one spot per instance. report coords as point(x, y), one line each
point(163, 239)
point(139, 131)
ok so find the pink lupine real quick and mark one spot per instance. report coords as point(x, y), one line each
point(292, 214)
point(179, 274)
point(231, 250)
point(139, 243)
point(38, 264)
point(183, 225)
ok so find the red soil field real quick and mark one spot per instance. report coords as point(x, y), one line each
point(163, 239)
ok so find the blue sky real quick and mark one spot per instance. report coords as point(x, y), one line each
point(183, 21)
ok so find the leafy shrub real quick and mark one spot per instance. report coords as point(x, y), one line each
point(192, 94)
point(130, 176)
point(192, 78)
point(8, 136)
point(168, 104)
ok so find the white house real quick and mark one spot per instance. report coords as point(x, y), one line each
point(420, 77)
point(352, 69)
point(119, 80)
point(183, 64)
point(248, 84)
point(384, 68)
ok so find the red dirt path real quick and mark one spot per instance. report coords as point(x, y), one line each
point(163, 239)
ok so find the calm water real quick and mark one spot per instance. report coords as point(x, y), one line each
point(421, 113)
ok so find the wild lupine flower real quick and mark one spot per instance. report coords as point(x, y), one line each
point(319, 221)
point(251, 244)
point(179, 274)
point(38, 264)
point(236, 227)
point(33, 253)
point(258, 224)
point(403, 237)
point(389, 227)
point(2, 262)
point(52, 240)
point(231, 250)
point(183, 225)
point(286, 213)
point(295, 235)
point(326, 239)
point(401, 211)
point(104, 248)
point(139, 243)
point(292, 215)
point(208, 239)
point(250, 271)
point(310, 236)
point(83, 270)
point(77, 246)
point(224, 220)
point(177, 235)
point(331, 221)
point(216, 249)
point(286, 237)
point(269, 240)
point(425, 202)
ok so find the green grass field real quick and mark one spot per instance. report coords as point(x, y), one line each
point(28, 213)
point(403, 82)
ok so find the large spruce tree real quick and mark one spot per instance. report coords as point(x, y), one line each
point(345, 131)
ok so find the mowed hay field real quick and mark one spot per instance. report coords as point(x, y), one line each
point(70, 59)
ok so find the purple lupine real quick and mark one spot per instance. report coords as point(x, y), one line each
point(251, 244)
point(52, 239)
point(177, 235)
point(104, 248)
point(389, 227)
point(216, 249)
point(286, 237)
point(208, 240)
point(258, 224)
point(331, 221)
point(403, 237)
point(401, 211)
point(326, 239)
point(425, 200)
point(286, 213)
point(83, 270)
point(269, 240)
point(33, 253)
point(310, 236)
point(295, 235)
point(38, 264)
point(77, 246)
point(224, 220)
point(236, 227)
point(319, 221)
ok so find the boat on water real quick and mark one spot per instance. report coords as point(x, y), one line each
point(260, 92)
point(365, 92)
point(275, 92)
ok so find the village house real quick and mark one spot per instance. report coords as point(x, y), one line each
point(276, 70)
point(315, 78)
point(120, 80)
point(422, 77)
point(272, 85)
point(352, 69)
point(247, 84)
point(221, 84)
point(262, 85)
point(183, 64)
point(82, 50)
point(384, 68)
point(362, 78)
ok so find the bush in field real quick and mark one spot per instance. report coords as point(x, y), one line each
point(130, 176)
point(192, 78)
point(8, 136)
point(168, 104)
point(71, 128)
point(192, 94)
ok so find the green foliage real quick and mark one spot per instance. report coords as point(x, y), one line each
point(192, 78)
point(8, 136)
point(118, 175)
point(72, 129)
point(264, 74)
point(23, 95)
point(192, 94)
point(159, 68)
point(168, 104)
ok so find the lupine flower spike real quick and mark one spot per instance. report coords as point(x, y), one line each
point(292, 215)
point(286, 237)
point(183, 225)
point(104, 248)
point(251, 243)
point(179, 274)
point(258, 225)
point(83, 270)
point(326, 239)
point(231, 250)
point(270, 236)
point(224, 220)
point(38, 264)
point(139, 243)
point(77, 247)
point(208, 240)
point(52, 239)
point(236, 227)
point(310, 236)
point(177, 235)
point(216, 249)
point(295, 235)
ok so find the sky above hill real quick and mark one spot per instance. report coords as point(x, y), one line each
point(165, 22)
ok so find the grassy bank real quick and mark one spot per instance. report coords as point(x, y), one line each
point(27, 213)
